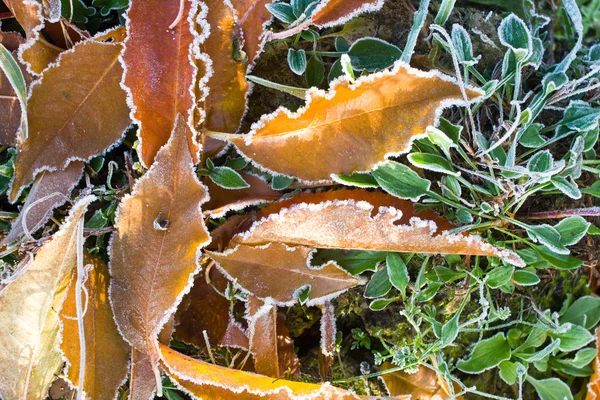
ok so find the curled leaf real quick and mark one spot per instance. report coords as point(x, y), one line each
point(107, 354)
point(336, 12)
point(155, 248)
point(67, 112)
point(30, 356)
point(359, 225)
point(353, 127)
point(425, 384)
point(160, 71)
point(277, 271)
point(208, 381)
point(49, 191)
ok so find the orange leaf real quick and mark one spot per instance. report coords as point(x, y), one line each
point(160, 71)
point(353, 127)
point(203, 309)
point(208, 381)
point(252, 16)
point(277, 271)
point(358, 225)
point(337, 12)
point(223, 200)
point(107, 354)
point(30, 356)
point(49, 191)
point(272, 347)
point(155, 249)
point(221, 236)
point(423, 385)
point(593, 387)
point(68, 109)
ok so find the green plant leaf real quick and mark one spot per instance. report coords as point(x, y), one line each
point(572, 337)
point(281, 182)
point(584, 311)
point(572, 230)
point(568, 188)
point(315, 72)
point(13, 73)
point(514, 34)
point(401, 181)
point(580, 116)
point(358, 180)
point(380, 304)
point(525, 278)
point(487, 354)
point(297, 61)
point(461, 41)
point(558, 261)
point(432, 162)
point(499, 276)
point(379, 285)
point(354, 261)
point(548, 236)
point(282, 11)
point(227, 178)
point(397, 272)
point(372, 54)
point(551, 389)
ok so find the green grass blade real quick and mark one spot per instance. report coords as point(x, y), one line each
point(444, 12)
point(418, 23)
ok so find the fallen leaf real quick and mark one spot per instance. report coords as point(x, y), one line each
point(107, 354)
point(224, 200)
point(252, 18)
point(208, 381)
point(277, 271)
point(10, 109)
point(30, 356)
point(593, 388)
point(422, 385)
point(328, 340)
point(52, 10)
point(154, 251)
point(221, 236)
point(160, 71)
point(142, 382)
point(358, 225)
point(204, 309)
point(337, 12)
point(272, 347)
point(49, 191)
point(351, 128)
point(67, 112)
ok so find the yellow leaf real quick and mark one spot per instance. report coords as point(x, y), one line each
point(208, 381)
point(423, 385)
point(336, 12)
point(107, 354)
point(277, 271)
point(30, 356)
point(342, 222)
point(155, 249)
point(68, 109)
point(160, 70)
point(351, 128)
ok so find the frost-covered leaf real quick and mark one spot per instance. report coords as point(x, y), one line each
point(297, 61)
point(486, 354)
point(107, 354)
point(155, 248)
point(401, 181)
point(336, 12)
point(50, 190)
point(208, 381)
point(328, 340)
point(580, 116)
point(551, 389)
point(67, 112)
point(584, 311)
point(354, 220)
point(279, 271)
point(13, 86)
point(572, 230)
point(594, 386)
point(514, 34)
point(351, 128)
point(29, 321)
point(572, 337)
point(160, 72)
point(272, 347)
point(142, 382)
point(205, 309)
point(224, 200)
point(425, 384)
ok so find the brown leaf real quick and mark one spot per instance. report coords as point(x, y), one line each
point(224, 200)
point(221, 236)
point(30, 356)
point(208, 381)
point(351, 128)
point(160, 71)
point(593, 388)
point(328, 340)
point(204, 309)
point(51, 10)
point(422, 385)
point(142, 382)
point(358, 225)
point(272, 347)
point(107, 354)
point(337, 12)
point(68, 110)
point(49, 191)
point(252, 16)
point(277, 271)
point(10, 109)
point(155, 249)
